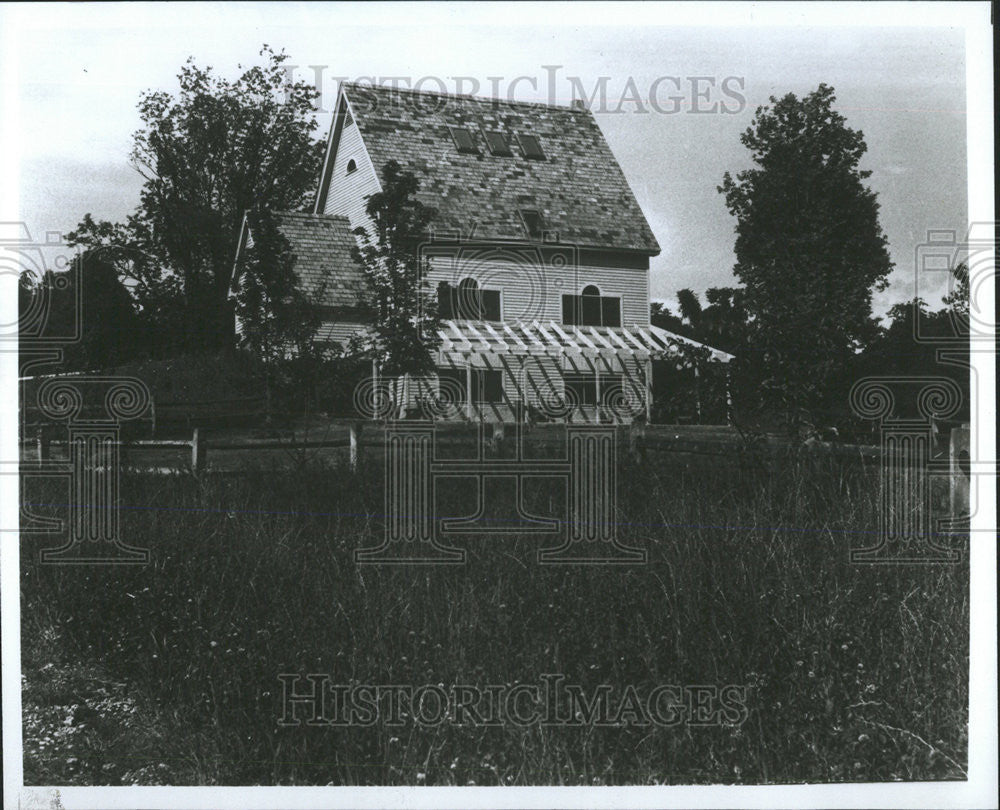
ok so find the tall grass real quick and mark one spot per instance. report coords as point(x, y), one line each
point(853, 672)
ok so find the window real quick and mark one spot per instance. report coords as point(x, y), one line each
point(463, 141)
point(592, 309)
point(468, 302)
point(497, 143)
point(533, 223)
point(351, 166)
point(590, 388)
point(487, 385)
point(531, 148)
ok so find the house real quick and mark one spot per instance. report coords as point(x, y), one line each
point(539, 251)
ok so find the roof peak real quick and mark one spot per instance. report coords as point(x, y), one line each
point(576, 107)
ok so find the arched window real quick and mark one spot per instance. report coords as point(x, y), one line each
point(590, 305)
point(351, 166)
point(590, 308)
point(468, 299)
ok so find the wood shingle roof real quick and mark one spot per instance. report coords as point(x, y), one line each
point(578, 188)
point(322, 247)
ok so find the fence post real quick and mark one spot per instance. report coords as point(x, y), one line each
point(356, 428)
point(197, 451)
point(958, 466)
point(496, 440)
point(42, 445)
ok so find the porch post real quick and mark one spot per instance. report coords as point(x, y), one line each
point(468, 388)
point(649, 389)
point(729, 394)
point(522, 384)
point(697, 393)
point(597, 389)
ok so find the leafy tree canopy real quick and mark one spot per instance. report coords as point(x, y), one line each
point(809, 246)
point(401, 313)
point(208, 154)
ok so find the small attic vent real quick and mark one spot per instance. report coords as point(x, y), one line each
point(463, 141)
point(497, 143)
point(533, 223)
point(531, 147)
point(348, 120)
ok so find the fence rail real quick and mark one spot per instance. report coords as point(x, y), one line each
point(637, 441)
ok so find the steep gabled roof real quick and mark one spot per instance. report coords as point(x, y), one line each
point(323, 261)
point(322, 246)
point(578, 188)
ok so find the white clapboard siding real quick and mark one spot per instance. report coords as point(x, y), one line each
point(348, 192)
point(532, 291)
point(338, 331)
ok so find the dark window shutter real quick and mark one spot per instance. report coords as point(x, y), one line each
point(446, 302)
point(611, 311)
point(490, 305)
point(492, 386)
point(452, 388)
point(569, 309)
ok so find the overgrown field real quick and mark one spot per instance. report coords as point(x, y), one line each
point(168, 674)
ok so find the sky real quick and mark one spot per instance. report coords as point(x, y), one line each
point(80, 71)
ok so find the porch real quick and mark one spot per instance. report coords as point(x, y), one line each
point(546, 371)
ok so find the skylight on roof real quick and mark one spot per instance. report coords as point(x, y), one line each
point(497, 143)
point(463, 141)
point(533, 222)
point(531, 147)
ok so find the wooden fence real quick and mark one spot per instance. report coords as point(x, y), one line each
point(636, 440)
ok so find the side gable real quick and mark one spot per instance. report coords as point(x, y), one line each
point(324, 263)
point(349, 176)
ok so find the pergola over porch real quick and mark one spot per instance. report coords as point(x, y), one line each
point(624, 349)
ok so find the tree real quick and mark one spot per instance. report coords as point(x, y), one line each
point(690, 307)
point(401, 313)
point(661, 315)
point(278, 317)
point(721, 323)
point(109, 329)
point(809, 247)
point(957, 300)
point(897, 352)
point(207, 155)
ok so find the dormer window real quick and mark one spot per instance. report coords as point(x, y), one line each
point(351, 166)
point(463, 141)
point(534, 225)
point(497, 143)
point(531, 148)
